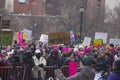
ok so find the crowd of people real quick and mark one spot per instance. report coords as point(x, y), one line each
point(100, 62)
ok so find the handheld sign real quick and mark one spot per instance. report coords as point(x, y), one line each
point(44, 38)
point(101, 35)
point(27, 34)
point(72, 68)
point(114, 41)
point(87, 41)
point(97, 42)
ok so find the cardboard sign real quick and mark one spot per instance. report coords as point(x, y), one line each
point(44, 38)
point(27, 34)
point(72, 68)
point(101, 35)
point(114, 41)
point(87, 41)
point(6, 37)
point(97, 42)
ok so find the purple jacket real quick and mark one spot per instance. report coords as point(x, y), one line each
point(113, 76)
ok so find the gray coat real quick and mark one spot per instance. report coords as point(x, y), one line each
point(84, 73)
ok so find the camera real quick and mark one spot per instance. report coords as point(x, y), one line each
point(27, 59)
point(15, 59)
point(27, 56)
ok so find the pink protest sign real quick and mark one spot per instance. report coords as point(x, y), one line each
point(72, 68)
point(19, 35)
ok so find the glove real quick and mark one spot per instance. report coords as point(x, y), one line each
point(56, 67)
point(41, 65)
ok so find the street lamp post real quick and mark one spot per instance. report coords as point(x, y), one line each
point(33, 32)
point(81, 22)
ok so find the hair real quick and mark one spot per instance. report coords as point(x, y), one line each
point(55, 52)
point(69, 54)
point(111, 45)
point(88, 61)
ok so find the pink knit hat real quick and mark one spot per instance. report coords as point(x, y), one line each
point(65, 49)
point(55, 47)
point(80, 53)
point(86, 50)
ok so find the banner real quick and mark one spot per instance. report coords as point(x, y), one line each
point(6, 37)
point(72, 36)
point(87, 41)
point(97, 42)
point(19, 36)
point(27, 34)
point(72, 68)
point(44, 38)
point(59, 38)
point(114, 41)
point(101, 35)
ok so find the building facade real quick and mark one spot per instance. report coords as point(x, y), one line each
point(29, 7)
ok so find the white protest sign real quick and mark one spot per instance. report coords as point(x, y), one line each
point(101, 35)
point(87, 41)
point(28, 33)
point(114, 41)
point(44, 38)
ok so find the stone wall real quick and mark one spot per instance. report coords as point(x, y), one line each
point(38, 24)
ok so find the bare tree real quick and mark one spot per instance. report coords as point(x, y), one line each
point(70, 14)
point(93, 17)
point(112, 22)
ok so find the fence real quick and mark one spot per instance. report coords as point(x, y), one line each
point(7, 72)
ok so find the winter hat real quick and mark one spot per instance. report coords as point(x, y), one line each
point(69, 49)
point(91, 46)
point(75, 50)
point(107, 47)
point(87, 61)
point(86, 50)
point(37, 51)
point(80, 53)
point(65, 49)
point(55, 48)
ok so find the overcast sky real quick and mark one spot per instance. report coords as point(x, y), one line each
point(112, 3)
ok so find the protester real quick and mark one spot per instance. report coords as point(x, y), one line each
point(60, 55)
point(85, 72)
point(79, 56)
point(40, 62)
point(53, 60)
point(115, 75)
point(71, 58)
point(117, 56)
point(71, 62)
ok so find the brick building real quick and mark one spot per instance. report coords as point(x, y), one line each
point(53, 7)
point(2, 4)
point(29, 7)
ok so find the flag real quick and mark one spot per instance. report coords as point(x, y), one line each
point(19, 38)
point(72, 36)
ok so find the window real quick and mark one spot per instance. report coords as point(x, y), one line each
point(23, 1)
point(5, 24)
